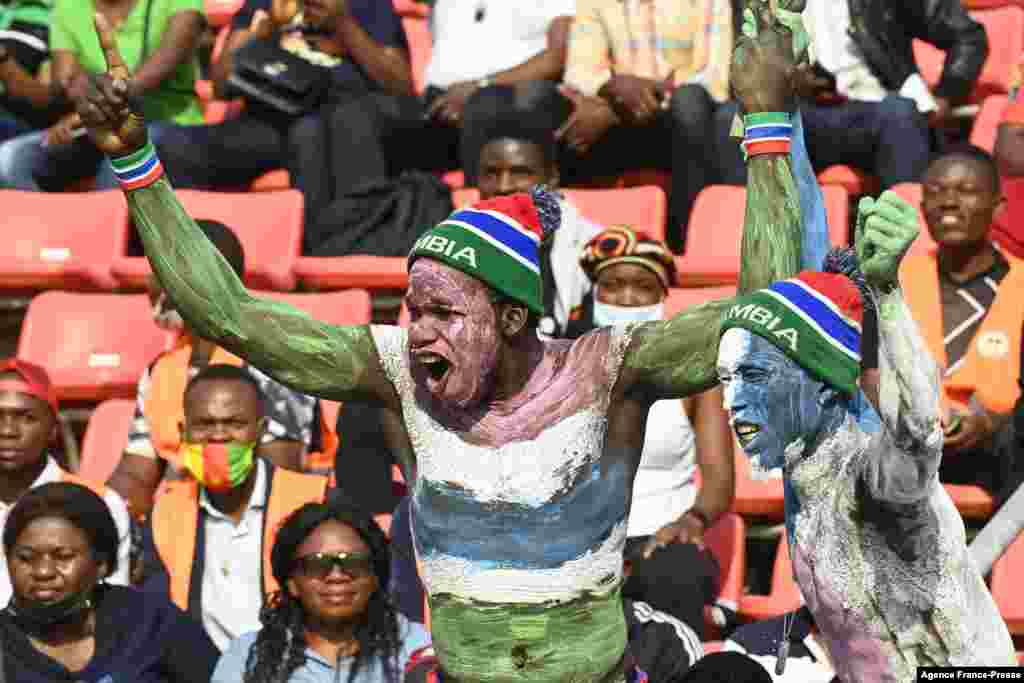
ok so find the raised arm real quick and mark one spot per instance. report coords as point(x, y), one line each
point(676, 358)
point(338, 363)
point(903, 468)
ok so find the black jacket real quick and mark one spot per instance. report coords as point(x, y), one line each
point(884, 31)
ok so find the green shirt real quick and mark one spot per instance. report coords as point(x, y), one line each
point(73, 30)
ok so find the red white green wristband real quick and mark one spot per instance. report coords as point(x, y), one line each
point(767, 133)
point(139, 169)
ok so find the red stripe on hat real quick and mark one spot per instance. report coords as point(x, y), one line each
point(518, 207)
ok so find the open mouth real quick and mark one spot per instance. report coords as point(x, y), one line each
point(745, 431)
point(437, 366)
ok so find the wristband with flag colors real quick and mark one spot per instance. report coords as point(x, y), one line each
point(767, 133)
point(139, 169)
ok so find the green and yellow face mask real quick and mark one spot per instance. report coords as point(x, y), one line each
point(218, 466)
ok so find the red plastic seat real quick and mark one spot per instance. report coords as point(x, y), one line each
point(1005, 29)
point(973, 502)
point(855, 181)
point(784, 596)
point(272, 181)
point(989, 4)
point(1006, 572)
point(411, 8)
point(343, 272)
point(761, 498)
point(716, 231)
point(643, 208)
point(350, 307)
point(983, 134)
point(94, 346)
point(220, 12)
point(727, 541)
point(61, 241)
point(679, 299)
point(105, 438)
point(269, 225)
point(417, 35)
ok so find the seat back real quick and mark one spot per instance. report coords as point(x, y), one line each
point(346, 307)
point(679, 299)
point(642, 208)
point(94, 346)
point(784, 586)
point(1006, 572)
point(105, 438)
point(727, 542)
point(986, 125)
point(62, 240)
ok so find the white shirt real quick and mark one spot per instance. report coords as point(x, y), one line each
point(118, 510)
point(665, 485)
point(232, 591)
point(507, 34)
point(828, 22)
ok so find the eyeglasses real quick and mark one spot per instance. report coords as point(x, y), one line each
point(320, 565)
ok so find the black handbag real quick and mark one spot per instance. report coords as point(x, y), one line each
point(265, 72)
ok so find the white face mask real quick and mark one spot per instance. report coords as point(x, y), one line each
point(609, 314)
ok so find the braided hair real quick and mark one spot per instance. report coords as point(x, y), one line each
point(280, 646)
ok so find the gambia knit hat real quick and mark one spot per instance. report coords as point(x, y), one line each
point(497, 241)
point(622, 244)
point(814, 318)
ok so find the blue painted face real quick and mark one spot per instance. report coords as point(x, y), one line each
point(771, 400)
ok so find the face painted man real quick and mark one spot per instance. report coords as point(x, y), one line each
point(524, 450)
point(878, 548)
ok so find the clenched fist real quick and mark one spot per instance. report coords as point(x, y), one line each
point(886, 228)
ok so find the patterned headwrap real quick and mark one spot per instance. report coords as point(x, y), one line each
point(624, 245)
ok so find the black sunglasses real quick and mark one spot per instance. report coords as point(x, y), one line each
point(320, 565)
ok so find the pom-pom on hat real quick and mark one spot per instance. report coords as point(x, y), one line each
point(814, 318)
point(498, 242)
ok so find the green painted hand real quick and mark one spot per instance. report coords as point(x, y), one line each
point(886, 228)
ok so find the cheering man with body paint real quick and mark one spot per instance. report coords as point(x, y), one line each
point(524, 451)
point(878, 548)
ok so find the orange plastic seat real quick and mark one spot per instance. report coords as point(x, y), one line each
point(94, 346)
point(272, 181)
point(417, 35)
point(727, 541)
point(1005, 29)
point(105, 438)
point(755, 497)
point(973, 502)
point(679, 299)
point(643, 208)
point(715, 233)
point(784, 596)
point(269, 225)
point(220, 12)
point(1006, 572)
point(855, 181)
point(349, 307)
point(61, 240)
point(983, 134)
point(344, 272)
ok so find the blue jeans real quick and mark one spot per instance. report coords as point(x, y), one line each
point(26, 163)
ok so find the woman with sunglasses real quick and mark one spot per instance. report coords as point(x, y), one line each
point(332, 620)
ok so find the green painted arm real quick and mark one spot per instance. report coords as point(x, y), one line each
point(337, 363)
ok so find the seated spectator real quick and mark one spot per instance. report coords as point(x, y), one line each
point(158, 39)
point(968, 298)
point(332, 620)
point(27, 99)
point(66, 623)
point(295, 427)
point(487, 58)
point(646, 81)
point(631, 276)
point(807, 660)
point(207, 543)
point(363, 45)
point(28, 425)
point(864, 103)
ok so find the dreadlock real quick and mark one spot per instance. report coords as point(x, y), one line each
point(280, 646)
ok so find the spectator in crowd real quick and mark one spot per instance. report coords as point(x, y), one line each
point(293, 423)
point(207, 543)
point(646, 81)
point(487, 57)
point(362, 44)
point(158, 39)
point(968, 298)
point(331, 620)
point(27, 99)
point(65, 622)
point(807, 660)
point(864, 103)
point(632, 275)
point(28, 425)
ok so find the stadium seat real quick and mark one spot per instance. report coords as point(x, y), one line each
point(220, 12)
point(989, 4)
point(411, 8)
point(454, 179)
point(853, 180)
point(417, 34)
point(62, 240)
point(94, 346)
point(728, 543)
point(755, 497)
point(716, 231)
point(269, 225)
point(350, 307)
point(784, 596)
point(643, 208)
point(271, 181)
point(983, 134)
point(973, 502)
point(343, 272)
point(679, 298)
point(105, 439)
point(1006, 572)
point(1005, 29)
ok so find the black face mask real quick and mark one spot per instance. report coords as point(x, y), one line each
point(40, 616)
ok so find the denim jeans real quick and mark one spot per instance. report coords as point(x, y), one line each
point(27, 163)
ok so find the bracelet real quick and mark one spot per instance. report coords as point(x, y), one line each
point(139, 169)
point(767, 133)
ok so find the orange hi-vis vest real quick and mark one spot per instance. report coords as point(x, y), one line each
point(165, 405)
point(177, 526)
point(990, 368)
